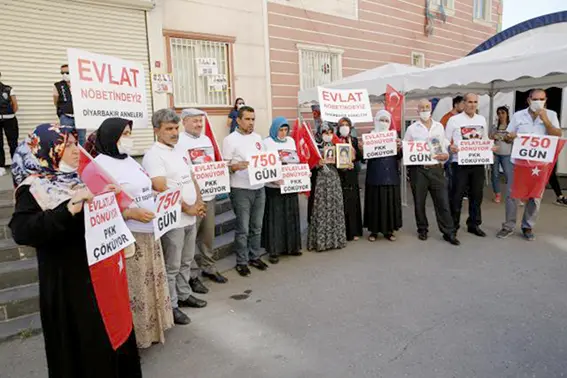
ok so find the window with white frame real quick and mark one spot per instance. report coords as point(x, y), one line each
point(319, 65)
point(481, 10)
point(447, 4)
point(418, 59)
point(200, 72)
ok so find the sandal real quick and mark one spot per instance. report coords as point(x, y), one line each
point(390, 237)
point(372, 237)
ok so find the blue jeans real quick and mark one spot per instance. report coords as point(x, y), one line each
point(504, 161)
point(248, 205)
point(70, 121)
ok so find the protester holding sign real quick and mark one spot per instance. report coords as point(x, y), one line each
point(49, 217)
point(147, 282)
point(468, 176)
point(281, 230)
point(349, 182)
point(430, 178)
point(169, 168)
point(502, 154)
point(327, 227)
point(247, 200)
point(535, 120)
point(382, 198)
point(199, 149)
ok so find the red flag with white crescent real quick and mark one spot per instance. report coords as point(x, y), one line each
point(211, 134)
point(394, 105)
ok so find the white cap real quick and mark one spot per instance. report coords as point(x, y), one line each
point(192, 112)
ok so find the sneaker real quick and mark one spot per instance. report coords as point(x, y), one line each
point(258, 264)
point(504, 233)
point(2, 171)
point(561, 201)
point(243, 270)
point(528, 234)
point(497, 198)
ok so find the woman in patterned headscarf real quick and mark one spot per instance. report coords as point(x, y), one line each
point(49, 217)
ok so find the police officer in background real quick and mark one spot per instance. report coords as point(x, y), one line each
point(63, 100)
point(8, 122)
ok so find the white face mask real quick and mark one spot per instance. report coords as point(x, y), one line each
point(126, 145)
point(239, 106)
point(425, 115)
point(66, 77)
point(383, 125)
point(327, 138)
point(66, 168)
point(537, 105)
point(344, 130)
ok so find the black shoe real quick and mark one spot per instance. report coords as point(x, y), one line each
point(216, 277)
point(258, 264)
point(476, 231)
point(297, 253)
point(451, 239)
point(197, 286)
point(274, 259)
point(422, 235)
point(243, 270)
point(192, 302)
point(180, 318)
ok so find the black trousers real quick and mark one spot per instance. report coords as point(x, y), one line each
point(10, 127)
point(554, 182)
point(468, 180)
point(425, 180)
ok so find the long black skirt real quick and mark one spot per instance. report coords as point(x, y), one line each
point(353, 212)
point(382, 209)
point(281, 230)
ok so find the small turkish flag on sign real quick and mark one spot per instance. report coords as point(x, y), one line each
point(531, 177)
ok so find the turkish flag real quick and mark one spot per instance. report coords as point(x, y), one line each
point(96, 179)
point(531, 177)
point(307, 150)
point(209, 132)
point(394, 104)
point(111, 291)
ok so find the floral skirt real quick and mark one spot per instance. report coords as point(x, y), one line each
point(149, 293)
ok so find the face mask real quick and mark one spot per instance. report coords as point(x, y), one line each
point(66, 168)
point(383, 125)
point(344, 130)
point(66, 77)
point(126, 145)
point(425, 115)
point(537, 105)
point(327, 138)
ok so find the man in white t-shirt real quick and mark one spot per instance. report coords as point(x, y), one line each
point(430, 178)
point(168, 168)
point(247, 200)
point(199, 149)
point(467, 179)
point(536, 119)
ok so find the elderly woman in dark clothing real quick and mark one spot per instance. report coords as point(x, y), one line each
point(382, 199)
point(49, 217)
point(349, 182)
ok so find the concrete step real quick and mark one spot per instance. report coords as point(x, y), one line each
point(16, 273)
point(222, 206)
point(23, 327)
point(5, 232)
point(6, 208)
point(225, 222)
point(10, 251)
point(19, 301)
point(222, 245)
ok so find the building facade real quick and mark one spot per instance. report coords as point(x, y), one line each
point(314, 43)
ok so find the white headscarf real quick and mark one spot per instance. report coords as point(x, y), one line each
point(382, 114)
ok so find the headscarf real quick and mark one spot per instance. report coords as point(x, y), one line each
point(107, 137)
point(341, 138)
point(381, 114)
point(36, 163)
point(277, 124)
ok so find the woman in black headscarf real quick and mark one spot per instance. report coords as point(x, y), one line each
point(49, 217)
point(147, 280)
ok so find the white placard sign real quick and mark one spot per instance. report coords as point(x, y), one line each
point(296, 178)
point(382, 144)
point(105, 86)
point(213, 178)
point(535, 147)
point(417, 152)
point(162, 83)
point(217, 83)
point(338, 103)
point(106, 232)
point(475, 152)
point(264, 167)
point(168, 212)
point(207, 66)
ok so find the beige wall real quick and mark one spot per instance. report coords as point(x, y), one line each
point(241, 19)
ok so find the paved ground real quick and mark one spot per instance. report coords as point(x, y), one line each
point(490, 308)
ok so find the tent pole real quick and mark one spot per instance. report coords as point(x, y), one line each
point(490, 125)
point(404, 183)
